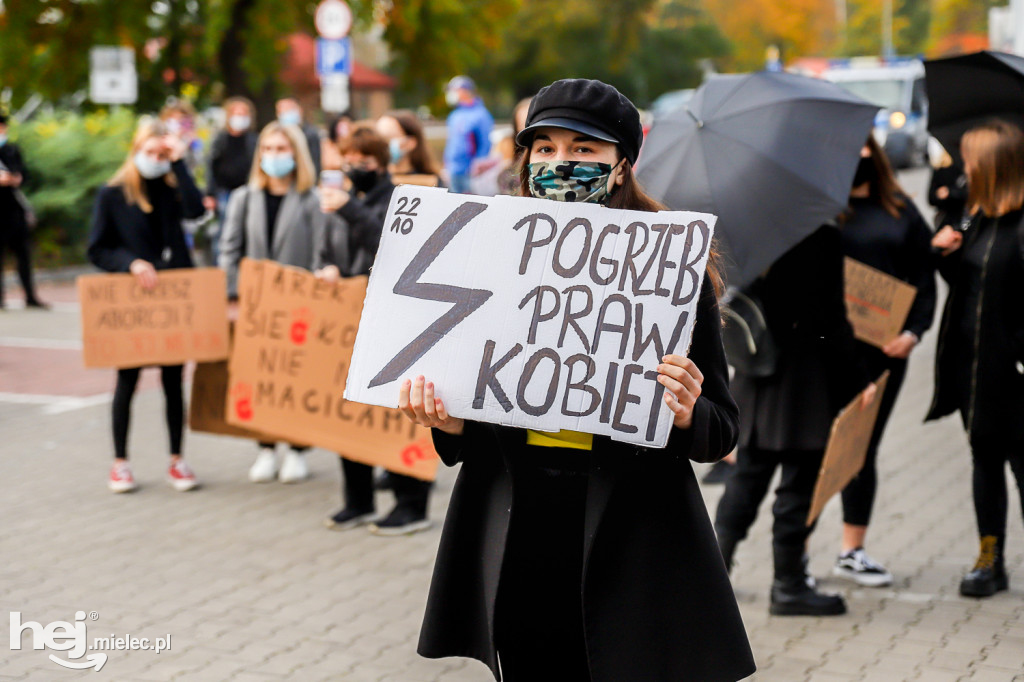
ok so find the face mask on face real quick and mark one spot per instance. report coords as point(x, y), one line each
point(451, 97)
point(239, 122)
point(3, 139)
point(151, 168)
point(395, 147)
point(290, 118)
point(363, 180)
point(277, 165)
point(173, 126)
point(865, 171)
point(584, 181)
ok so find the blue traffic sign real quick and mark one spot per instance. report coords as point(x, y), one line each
point(333, 57)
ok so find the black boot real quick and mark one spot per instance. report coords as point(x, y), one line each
point(989, 573)
point(792, 595)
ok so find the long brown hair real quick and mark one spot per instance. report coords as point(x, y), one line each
point(630, 195)
point(885, 189)
point(994, 162)
point(420, 157)
point(128, 178)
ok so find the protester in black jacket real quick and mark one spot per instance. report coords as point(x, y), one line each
point(230, 163)
point(785, 418)
point(14, 228)
point(349, 251)
point(574, 557)
point(884, 230)
point(137, 228)
point(947, 191)
point(979, 367)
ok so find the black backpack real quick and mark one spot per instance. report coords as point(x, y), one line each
point(749, 345)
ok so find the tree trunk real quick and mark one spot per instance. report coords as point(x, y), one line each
point(230, 56)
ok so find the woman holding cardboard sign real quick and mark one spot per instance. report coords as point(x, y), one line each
point(884, 230)
point(276, 216)
point(979, 367)
point(570, 556)
point(136, 228)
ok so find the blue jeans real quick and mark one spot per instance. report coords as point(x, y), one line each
point(460, 183)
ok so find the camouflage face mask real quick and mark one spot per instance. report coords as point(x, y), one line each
point(570, 181)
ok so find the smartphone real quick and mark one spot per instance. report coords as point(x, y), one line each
point(334, 179)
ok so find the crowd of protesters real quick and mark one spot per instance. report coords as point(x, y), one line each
point(288, 193)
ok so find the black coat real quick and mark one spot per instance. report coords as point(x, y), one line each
point(820, 367)
point(979, 366)
point(121, 233)
point(657, 600)
point(12, 214)
point(352, 246)
point(948, 211)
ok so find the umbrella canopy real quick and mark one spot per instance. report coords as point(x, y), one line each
point(970, 89)
point(771, 154)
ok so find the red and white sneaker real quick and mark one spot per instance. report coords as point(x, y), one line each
point(180, 476)
point(121, 479)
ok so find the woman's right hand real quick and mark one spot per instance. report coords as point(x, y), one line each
point(328, 273)
point(417, 401)
point(948, 240)
point(145, 273)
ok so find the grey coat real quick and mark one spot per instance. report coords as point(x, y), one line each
point(298, 234)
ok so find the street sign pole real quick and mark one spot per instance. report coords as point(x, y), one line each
point(334, 54)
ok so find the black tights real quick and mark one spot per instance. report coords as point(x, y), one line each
point(989, 479)
point(127, 379)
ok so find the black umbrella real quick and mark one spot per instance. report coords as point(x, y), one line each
point(771, 154)
point(971, 89)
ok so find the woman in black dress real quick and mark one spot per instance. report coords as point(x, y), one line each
point(979, 367)
point(607, 562)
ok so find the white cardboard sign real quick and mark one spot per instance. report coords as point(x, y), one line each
point(529, 312)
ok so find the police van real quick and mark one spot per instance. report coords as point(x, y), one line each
point(897, 86)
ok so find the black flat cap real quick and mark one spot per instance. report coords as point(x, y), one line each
point(589, 107)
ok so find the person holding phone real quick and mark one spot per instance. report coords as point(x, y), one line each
point(136, 228)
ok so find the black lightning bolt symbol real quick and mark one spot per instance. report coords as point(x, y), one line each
point(466, 300)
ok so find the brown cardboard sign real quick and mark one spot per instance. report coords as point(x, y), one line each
point(183, 318)
point(847, 446)
point(206, 409)
point(289, 363)
point(877, 304)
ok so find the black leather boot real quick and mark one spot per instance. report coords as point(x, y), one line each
point(793, 595)
point(989, 573)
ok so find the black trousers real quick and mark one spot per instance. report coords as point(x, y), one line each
point(15, 236)
point(747, 486)
point(989, 482)
point(357, 488)
point(174, 406)
point(539, 611)
point(859, 494)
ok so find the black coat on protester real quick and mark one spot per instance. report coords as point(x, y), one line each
point(820, 368)
point(122, 233)
point(657, 600)
point(979, 365)
point(12, 213)
point(353, 245)
point(948, 211)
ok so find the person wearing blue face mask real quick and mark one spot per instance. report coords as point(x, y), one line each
point(136, 228)
point(411, 161)
point(275, 216)
point(469, 132)
point(15, 230)
point(289, 113)
point(569, 556)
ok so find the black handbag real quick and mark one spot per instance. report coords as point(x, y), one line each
point(749, 345)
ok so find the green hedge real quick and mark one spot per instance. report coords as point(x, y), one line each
point(69, 156)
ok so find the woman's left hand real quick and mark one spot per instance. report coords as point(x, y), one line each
point(682, 381)
point(901, 346)
point(331, 199)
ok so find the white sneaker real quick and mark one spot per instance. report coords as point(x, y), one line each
point(264, 469)
point(857, 566)
point(293, 468)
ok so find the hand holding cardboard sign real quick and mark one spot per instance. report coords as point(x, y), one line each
point(144, 272)
point(417, 401)
point(868, 395)
point(901, 346)
point(683, 380)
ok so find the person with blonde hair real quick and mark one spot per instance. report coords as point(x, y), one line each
point(979, 365)
point(136, 228)
point(275, 216)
